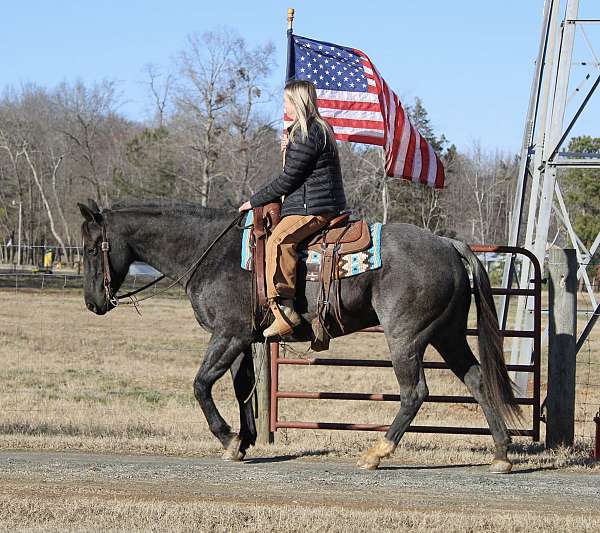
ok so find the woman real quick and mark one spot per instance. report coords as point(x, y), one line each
point(314, 193)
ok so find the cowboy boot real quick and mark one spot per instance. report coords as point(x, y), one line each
point(285, 318)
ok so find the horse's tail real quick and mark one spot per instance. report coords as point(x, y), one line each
point(497, 383)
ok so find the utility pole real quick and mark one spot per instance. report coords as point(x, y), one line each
point(14, 204)
point(20, 232)
point(541, 158)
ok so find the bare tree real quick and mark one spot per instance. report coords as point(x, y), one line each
point(160, 89)
point(37, 179)
point(251, 132)
point(206, 88)
point(85, 112)
point(489, 177)
point(56, 162)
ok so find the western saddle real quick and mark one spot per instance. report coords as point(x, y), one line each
point(341, 236)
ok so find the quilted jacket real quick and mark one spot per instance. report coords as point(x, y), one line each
point(311, 180)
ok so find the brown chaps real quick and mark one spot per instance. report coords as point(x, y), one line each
point(281, 253)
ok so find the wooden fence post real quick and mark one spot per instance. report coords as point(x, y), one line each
point(262, 371)
point(562, 335)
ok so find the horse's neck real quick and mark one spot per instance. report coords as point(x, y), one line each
point(169, 243)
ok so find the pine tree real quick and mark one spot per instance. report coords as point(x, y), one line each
point(583, 191)
point(420, 118)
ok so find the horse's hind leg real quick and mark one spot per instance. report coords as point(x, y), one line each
point(459, 357)
point(407, 363)
point(221, 353)
point(242, 372)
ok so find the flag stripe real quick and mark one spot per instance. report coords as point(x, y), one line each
point(358, 130)
point(357, 115)
point(357, 138)
point(366, 124)
point(439, 176)
point(432, 165)
point(410, 154)
point(353, 106)
point(329, 94)
point(397, 139)
point(388, 111)
point(424, 161)
point(403, 145)
point(416, 166)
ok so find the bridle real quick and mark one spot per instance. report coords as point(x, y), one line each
point(113, 299)
point(106, 277)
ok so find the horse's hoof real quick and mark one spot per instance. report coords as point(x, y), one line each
point(368, 462)
point(233, 452)
point(372, 457)
point(500, 466)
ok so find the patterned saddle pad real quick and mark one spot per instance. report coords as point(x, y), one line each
point(348, 264)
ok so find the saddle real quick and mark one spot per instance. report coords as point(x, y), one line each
point(339, 237)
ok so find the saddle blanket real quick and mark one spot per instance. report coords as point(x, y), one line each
point(348, 265)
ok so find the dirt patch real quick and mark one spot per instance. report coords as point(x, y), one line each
point(50, 480)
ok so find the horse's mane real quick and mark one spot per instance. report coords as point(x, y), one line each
point(171, 208)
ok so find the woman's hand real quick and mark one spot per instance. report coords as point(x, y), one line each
point(245, 206)
point(284, 142)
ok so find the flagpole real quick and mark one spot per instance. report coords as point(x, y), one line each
point(290, 42)
point(290, 58)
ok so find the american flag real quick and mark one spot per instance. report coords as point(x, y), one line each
point(361, 107)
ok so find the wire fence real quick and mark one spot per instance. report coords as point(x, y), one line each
point(72, 281)
point(16, 256)
point(56, 289)
point(587, 391)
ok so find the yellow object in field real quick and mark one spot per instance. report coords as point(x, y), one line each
point(48, 259)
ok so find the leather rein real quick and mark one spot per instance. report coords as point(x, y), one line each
point(106, 276)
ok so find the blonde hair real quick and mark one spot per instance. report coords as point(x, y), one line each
point(303, 96)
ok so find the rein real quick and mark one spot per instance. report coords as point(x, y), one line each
point(106, 277)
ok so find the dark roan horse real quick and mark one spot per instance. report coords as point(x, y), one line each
point(421, 296)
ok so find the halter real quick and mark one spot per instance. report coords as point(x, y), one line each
point(106, 277)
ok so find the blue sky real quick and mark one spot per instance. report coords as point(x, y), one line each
point(470, 61)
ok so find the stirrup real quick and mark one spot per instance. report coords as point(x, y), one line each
point(283, 324)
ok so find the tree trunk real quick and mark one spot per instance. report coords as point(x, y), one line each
point(61, 213)
point(385, 199)
point(45, 201)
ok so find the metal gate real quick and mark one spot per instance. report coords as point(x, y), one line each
point(534, 400)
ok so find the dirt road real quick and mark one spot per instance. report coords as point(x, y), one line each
point(289, 481)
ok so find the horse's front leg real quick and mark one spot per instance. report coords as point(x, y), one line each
point(242, 372)
point(222, 352)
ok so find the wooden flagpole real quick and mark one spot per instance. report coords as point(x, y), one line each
point(290, 57)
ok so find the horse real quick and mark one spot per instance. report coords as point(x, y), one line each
point(420, 295)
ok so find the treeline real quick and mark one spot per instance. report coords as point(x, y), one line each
point(213, 139)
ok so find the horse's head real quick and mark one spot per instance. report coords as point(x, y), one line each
point(106, 259)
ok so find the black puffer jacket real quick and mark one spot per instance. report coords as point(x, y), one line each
point(311, 180)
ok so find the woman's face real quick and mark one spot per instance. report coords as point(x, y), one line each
point(290, 110)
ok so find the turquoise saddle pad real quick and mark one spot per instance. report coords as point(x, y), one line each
point(348, 265)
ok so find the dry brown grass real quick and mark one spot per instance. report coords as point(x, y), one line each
point(89, 514)
point(121, 383)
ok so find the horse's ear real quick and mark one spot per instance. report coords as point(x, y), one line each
point(88, 214)
point(93, 205)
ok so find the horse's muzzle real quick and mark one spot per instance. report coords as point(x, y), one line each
point(95, 309)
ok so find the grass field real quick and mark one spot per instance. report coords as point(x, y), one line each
point(123, 383)
point(115, 515)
